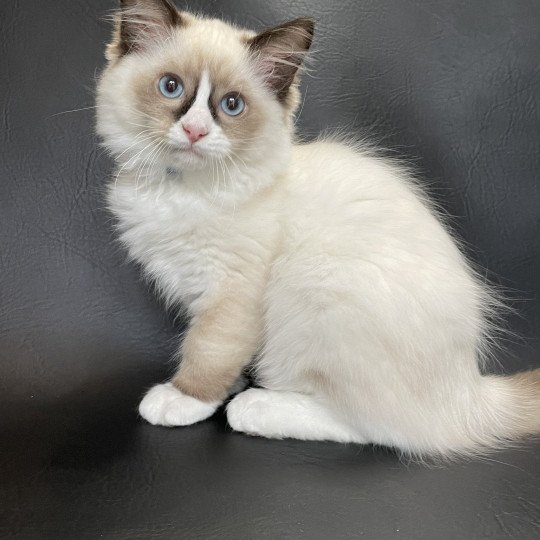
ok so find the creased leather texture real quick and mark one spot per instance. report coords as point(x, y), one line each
point(451, 86)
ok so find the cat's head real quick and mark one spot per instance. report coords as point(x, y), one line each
point(194, 92)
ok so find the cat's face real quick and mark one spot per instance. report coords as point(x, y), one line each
point(195, 93)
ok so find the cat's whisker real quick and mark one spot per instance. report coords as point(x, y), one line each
point(234, 154)
point(138, 140)
point(146, 160)
point(141, 173)
point(216, 182)
point(134, 160)
point(222, 169)
point(73, 111)
point(146, 115)
point(126, 164)
point(232, 183)
point(163, 172)
point(255, 138)
point(228, 180)
point(214, 188)
point(161, 148)
point(142, 126)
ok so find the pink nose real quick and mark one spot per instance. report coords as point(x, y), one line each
point(194, 133)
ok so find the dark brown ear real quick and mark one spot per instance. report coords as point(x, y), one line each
point(142, 20)
point(280, 51)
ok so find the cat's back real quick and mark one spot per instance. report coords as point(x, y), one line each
point(341, 171)
point(343, 181)
point(350, 200)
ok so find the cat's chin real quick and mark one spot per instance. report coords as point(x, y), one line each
point(188, 160)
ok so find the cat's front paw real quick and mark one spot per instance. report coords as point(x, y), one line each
point(165, 405)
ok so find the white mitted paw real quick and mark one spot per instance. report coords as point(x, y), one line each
point(280, 415)
point(251, 412)
point(165, 405)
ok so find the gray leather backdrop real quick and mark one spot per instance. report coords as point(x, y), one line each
point(452, 85)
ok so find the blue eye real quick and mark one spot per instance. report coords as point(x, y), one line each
point(233, 104)
point(170, 86)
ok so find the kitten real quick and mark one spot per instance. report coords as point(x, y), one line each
point(321, 266)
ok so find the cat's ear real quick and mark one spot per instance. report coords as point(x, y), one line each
point(138, 22)
point(280, 51)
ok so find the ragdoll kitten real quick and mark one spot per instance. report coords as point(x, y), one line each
point(320, 266)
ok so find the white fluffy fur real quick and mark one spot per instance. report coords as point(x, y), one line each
point(372, 321)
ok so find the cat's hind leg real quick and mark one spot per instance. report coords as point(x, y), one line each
point(280, 415)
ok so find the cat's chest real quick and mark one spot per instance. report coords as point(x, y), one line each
point(180, 243)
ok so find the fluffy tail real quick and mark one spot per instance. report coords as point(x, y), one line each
point(496, 413)
point(515, 402)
